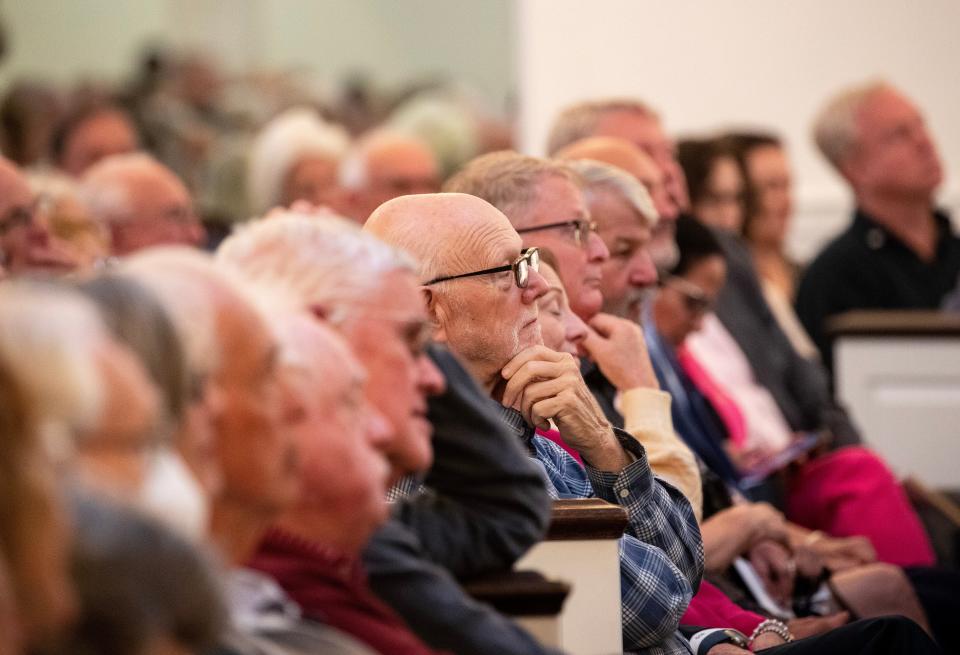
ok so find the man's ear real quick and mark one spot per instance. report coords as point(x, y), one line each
point(435, 314)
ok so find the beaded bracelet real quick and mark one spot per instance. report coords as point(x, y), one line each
point(778, 628)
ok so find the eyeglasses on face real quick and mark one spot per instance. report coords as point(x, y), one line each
point(528, 260)
point(581, 229)
point(695, 299)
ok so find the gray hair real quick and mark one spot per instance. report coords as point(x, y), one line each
point(580, 120)
point(48, 338)
point(185, 281)
point(137, 318)
point(835, 127)
point(507, 180)
point(288, 138)
point(598, 174)
point(303, 259)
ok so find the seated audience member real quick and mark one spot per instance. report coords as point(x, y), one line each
point(875, 590)
point(486, 502)
point(799, 386)
point(822, 494)
point(142, 588)
point(620, 209)
point(26, 242)
point(488, 315)
point(717, 198)
point(89, 133)
point(37, 597)
point(714, 183)
point(69, 219)
point(29, 113)
point(254, 424)
point(141, 203)
point(172, 490)
point(768, 206)
point(638, 124)
point(295, 157)
point(899, 252)
point(381, 166)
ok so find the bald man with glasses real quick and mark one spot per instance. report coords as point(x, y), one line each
point(481, 288)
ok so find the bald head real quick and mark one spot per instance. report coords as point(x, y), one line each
point(484, 316)
point(616, 152)
point(142, 202)
point(441, 230)
point(383, 166)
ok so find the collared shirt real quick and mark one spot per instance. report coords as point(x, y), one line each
point(265, 621)
point(661, 553)
point(331, 586)
point(868, 267)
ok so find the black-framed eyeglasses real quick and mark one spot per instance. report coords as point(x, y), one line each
point(528, 260)
point(694, 298)
point(581, 229)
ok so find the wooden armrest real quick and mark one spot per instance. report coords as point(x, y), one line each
point(520, 593)
point(586, 518)
point(920, 494)
point(897, 323)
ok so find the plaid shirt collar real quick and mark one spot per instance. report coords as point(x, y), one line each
point(518, 426)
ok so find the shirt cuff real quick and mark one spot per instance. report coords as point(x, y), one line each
point(646, 411)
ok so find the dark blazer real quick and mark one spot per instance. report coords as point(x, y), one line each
point(484, 504)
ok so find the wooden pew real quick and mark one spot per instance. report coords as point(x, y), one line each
point(528, 598)
point(582, 549)
point(898, 373)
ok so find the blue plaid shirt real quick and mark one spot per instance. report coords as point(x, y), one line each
point(661, 552)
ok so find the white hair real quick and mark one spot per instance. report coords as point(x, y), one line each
point(48, 337)
point(104, 188)
point(185, 281)
point(288, 138)
point(599, 174)
point(354, 168)
point(835, 127)
point(304, 259)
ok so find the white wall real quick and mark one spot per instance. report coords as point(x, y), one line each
point(710, 65)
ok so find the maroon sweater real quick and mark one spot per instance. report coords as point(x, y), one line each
point(331, 587)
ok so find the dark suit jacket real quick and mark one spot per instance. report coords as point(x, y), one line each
point(484, 505)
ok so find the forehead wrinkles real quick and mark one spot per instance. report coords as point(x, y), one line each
point(481, 244)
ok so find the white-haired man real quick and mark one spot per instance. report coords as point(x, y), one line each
point(295, 157)
point(141, 202)
point(381, 166)
point(259, 413)
point(481, 289)
point(899, 252)
point(487, 504)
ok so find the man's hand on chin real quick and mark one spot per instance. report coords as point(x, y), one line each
point(544, 384)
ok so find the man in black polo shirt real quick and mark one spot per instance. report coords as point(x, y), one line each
point(899, 252)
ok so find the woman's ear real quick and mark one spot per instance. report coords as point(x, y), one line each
point(435, 314)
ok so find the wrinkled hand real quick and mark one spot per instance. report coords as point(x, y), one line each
point(767, 640)
point(727, 649)
point(763, 521)
point(620, 350)
point(544, 384)
point(815, 625)
point(776, 567)
point(842, 553)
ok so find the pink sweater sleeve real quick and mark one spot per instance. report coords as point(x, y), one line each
point(711, 608)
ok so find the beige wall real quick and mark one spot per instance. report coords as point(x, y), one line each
point(396, 40)
point(745, 62)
